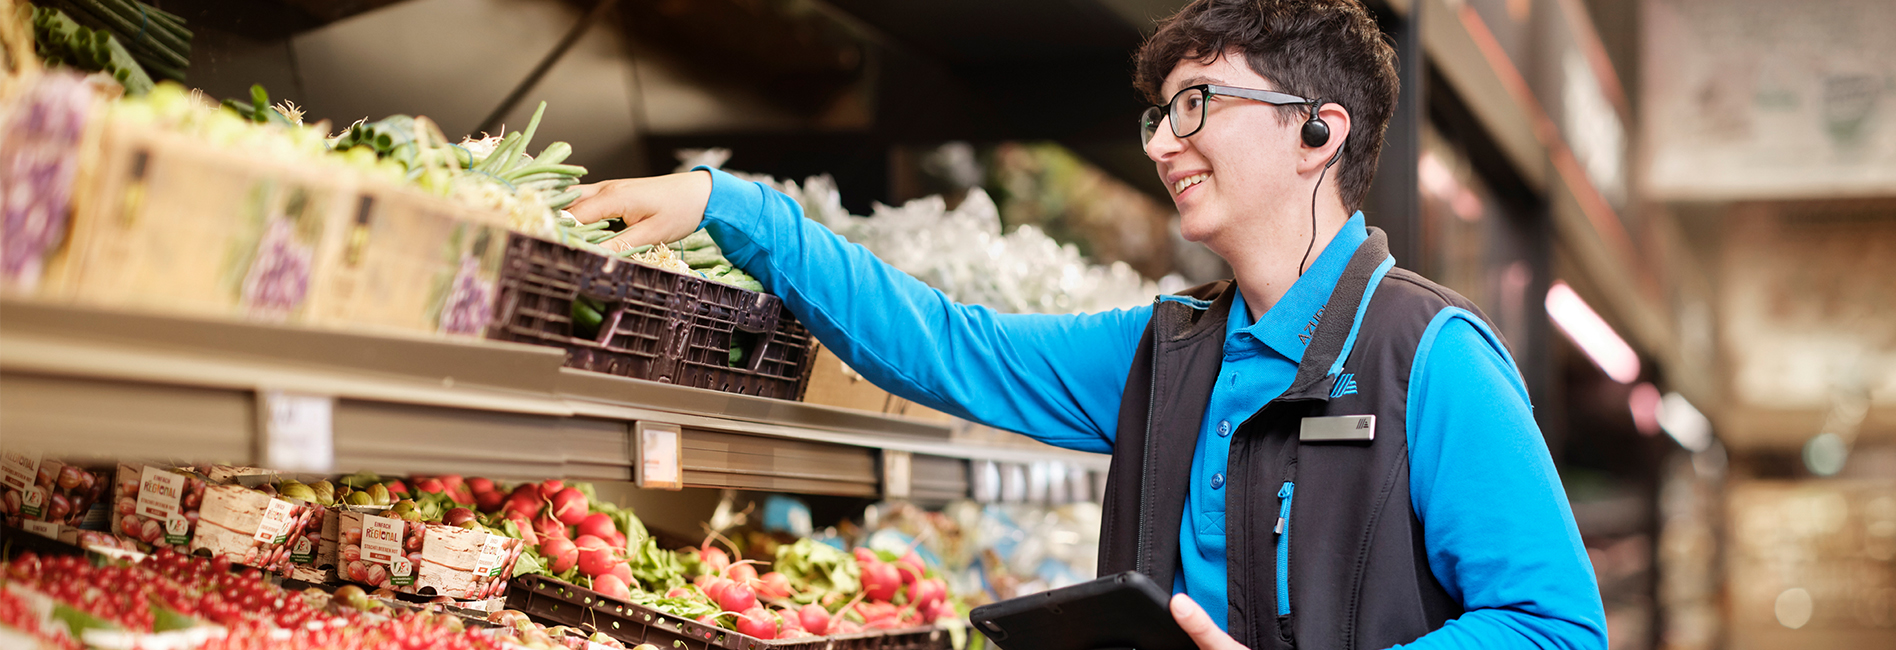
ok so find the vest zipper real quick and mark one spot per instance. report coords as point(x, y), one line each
point(1145, 491)
point(1285, 495)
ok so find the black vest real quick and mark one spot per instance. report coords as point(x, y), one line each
point(1358, 572)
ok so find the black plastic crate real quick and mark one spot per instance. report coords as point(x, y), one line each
point(656, 324)
point(555, 602)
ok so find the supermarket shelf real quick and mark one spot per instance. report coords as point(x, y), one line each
point(87, 383)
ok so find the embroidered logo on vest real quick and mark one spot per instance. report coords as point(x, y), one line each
point(1345, 385)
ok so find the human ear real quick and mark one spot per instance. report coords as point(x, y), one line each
point(1337, 118)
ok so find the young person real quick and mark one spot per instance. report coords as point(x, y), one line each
point(1325, 451)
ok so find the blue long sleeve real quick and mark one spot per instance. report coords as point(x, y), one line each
point(1499, 530)
point(1056, 378)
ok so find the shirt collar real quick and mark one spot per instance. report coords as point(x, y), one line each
point(1289, 325)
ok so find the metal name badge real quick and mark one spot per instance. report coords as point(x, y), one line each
point(1338, 429)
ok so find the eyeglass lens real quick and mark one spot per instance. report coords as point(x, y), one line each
point(1187, 113)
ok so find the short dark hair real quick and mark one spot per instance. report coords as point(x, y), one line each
point(1327, 49)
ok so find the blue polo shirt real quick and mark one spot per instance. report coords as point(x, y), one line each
point(1498, 530)
point(1260, 361)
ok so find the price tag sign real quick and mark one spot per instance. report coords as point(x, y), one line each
point(159, 493)
point(382, 539)
point(19, 469)
point(898, 473)
point(277, 518)
point(45, 529)
point(298, 433)
point(660, 455)
point(492, 550)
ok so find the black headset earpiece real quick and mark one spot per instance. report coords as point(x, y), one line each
point(1316, 132)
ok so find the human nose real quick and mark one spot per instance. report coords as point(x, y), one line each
point(1164, 144)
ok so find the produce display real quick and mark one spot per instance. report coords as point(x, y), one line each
point(215, 552)
point(171, 600)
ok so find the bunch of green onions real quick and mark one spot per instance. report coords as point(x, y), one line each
point(61, 41)
point(157, 40)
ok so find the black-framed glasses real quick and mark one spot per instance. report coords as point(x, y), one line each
point(1187, 108)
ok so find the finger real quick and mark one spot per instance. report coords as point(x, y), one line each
point(593, 205)
point(634, 236)
point(1199, 625)
point(587, 190)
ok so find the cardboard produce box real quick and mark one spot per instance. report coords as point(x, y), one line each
point(834, 383)
point(425, 559)
point(171, 224)
point(43, 489)
point(413, 263)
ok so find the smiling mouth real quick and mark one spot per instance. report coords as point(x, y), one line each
point(1188, 181)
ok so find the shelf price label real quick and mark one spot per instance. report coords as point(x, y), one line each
point(297, 432)
point(659, 461)
point(898, 473)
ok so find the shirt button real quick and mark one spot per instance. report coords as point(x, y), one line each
point(1224, 428)
point(1217, 480)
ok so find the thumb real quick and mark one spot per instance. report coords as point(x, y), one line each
point(1199, 625)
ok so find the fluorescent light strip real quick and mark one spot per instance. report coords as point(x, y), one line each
point(1685, 423)
point(1591, 333)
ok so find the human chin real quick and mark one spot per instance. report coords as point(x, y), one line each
point(1197, 223)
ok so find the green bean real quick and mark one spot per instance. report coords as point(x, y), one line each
point(563, 199)
point(537, 168)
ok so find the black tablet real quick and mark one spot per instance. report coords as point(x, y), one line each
point(1117, 611)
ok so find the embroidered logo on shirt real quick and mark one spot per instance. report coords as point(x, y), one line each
point(1310, 328)
point(1345, 385)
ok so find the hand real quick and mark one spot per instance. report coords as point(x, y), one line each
point(655, 210)
point(1198, 624)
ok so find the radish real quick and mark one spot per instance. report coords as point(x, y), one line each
point(865, 556)
point(569, 505)
point(880, 581)
point(788, 619)
point(550, 488)
point(845, 626)
point(525, 500)
point(595, 557)
point(758, 622)
point(613, 586)
point(814, 618)
point(737, 598)
point(460, 494)
point(742, 572)
point(773, 586)
point(480, 484)
point(678, 592)
point(598, 525)
point(560, 554)
point(490, 501)
point(714, 586)
point(624, 571)
point(715, 559)
point(450, 481)
point(547, 526)
point(926, 593)
point(914, 569)
point(430, 485)
point(616, 538)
